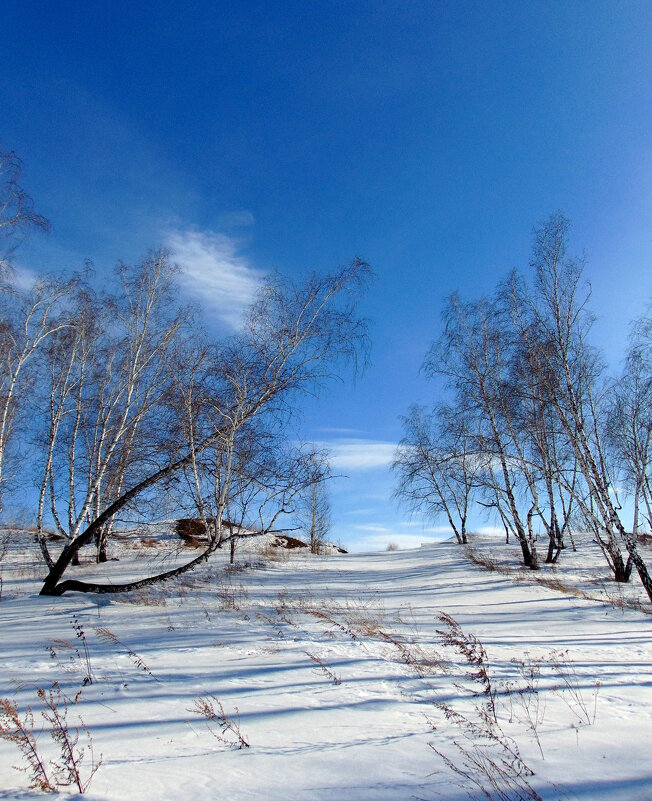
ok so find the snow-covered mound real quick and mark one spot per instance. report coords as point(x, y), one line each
point(393, 676)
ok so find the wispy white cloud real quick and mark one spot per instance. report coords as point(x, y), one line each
point(342, 432)
point(490, 531)
point(378, 537)
point(236, 219)
point(214, 272)
point(363, 511)
point(427, 529)
point(24, 278)
point(375, 536)
point(374, 527)
point(360, 454)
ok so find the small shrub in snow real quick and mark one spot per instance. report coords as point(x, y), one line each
point(210, 708)
point(82, 650)
point(392, 546)
point(65, 770)
point(21, 733)
point(230, 594)
point(485, 760)
point(78, 656)
point(525, 692)
point(570, 689)
point(5, 541)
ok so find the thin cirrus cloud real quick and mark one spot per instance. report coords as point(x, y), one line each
point(215, 273)
point(360, 454)
point(24, 278)
point(377, 537)
point(236, 219)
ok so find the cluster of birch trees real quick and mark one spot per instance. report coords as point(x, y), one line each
point(114, 401)
point(531, 428)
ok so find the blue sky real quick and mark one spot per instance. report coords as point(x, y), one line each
point(427, 138)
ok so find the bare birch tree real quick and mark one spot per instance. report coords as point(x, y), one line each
point(522, 371)
point(27, 319)
point(630, 422)
point(437, 465)
point(540, 450)
point(473, 354)
point(563, 321)
point(107, 374)
point(313, 508)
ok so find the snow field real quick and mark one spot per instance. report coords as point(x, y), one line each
point(336, 674)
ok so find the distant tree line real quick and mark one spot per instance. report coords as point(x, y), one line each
point(531, 427)
point(115, 400)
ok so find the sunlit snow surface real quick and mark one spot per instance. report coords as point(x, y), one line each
point(361, 727)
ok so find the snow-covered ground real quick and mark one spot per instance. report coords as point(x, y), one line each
point(339, 674)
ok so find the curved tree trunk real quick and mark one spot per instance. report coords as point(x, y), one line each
point(89, 586)
point(71, 551)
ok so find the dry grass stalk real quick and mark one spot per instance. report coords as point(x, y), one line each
point(526, 693)
point(570, 690)
point(330, 674)
point(84, 654)
point(230, 595)
point(359, 620)
point(229, 728)
point(67, 769)
point(79, 659)
point(108, 636)
point(475, 656)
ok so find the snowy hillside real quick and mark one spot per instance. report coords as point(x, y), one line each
point(339, 678)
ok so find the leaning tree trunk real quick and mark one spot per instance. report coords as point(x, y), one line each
point(69, 554)
point(636, 559)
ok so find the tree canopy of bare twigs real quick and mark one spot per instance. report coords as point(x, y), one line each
point(106, 384)
point(158, 411)
point(17, 214)
point(27, 319)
